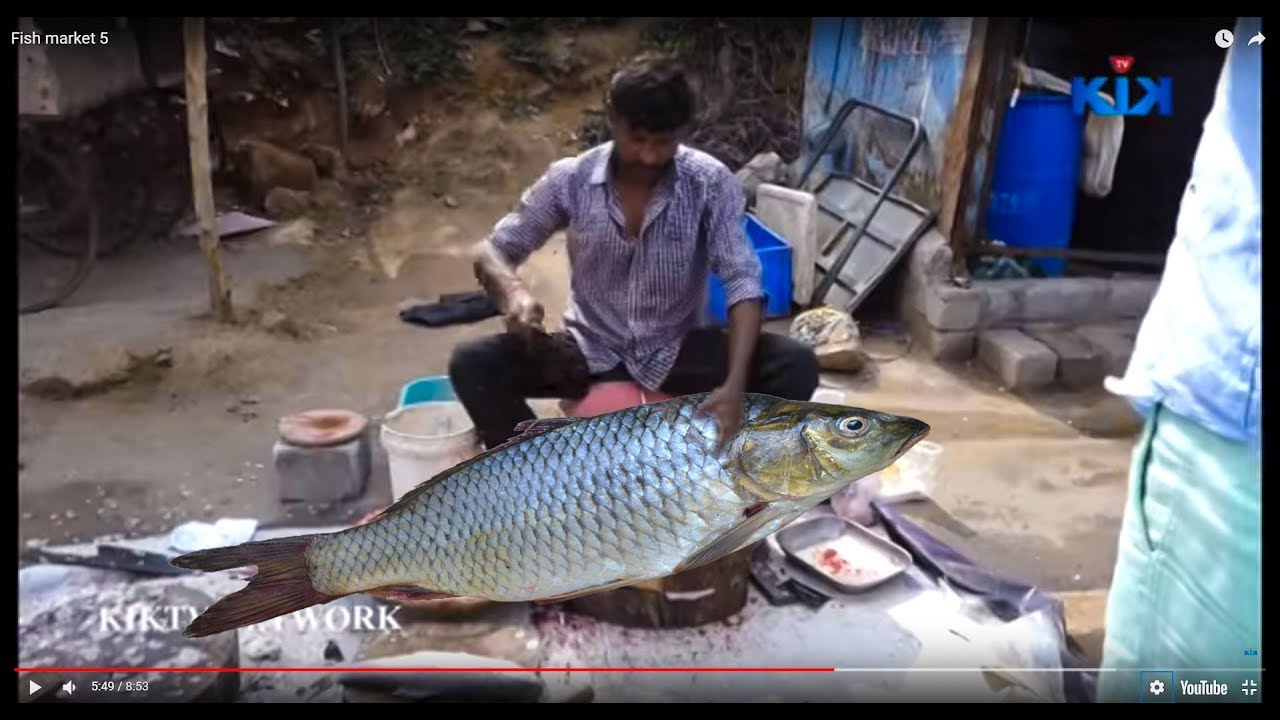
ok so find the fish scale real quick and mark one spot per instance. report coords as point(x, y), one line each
point(621, 491)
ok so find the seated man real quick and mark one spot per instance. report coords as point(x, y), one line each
point(646, 218)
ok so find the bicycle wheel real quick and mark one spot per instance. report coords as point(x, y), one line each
point(69, 208)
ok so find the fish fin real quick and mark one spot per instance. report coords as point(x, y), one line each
point(727, 544)
point(614, 585)
point(407, 592)
point(538, 426)
point(528, 429)
point(282, 584)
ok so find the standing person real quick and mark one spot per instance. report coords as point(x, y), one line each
point(647, 219)
point(1186, 594)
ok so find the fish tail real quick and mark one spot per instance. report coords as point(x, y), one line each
point(281, 585)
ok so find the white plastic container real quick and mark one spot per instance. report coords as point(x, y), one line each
point(425, 439)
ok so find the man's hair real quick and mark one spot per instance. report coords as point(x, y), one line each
point(652, 93)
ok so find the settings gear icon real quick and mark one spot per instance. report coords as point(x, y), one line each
point(1156, 687)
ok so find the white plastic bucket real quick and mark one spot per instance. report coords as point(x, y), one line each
point(424, 439)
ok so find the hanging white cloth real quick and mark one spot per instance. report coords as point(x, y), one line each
point(1102, 135)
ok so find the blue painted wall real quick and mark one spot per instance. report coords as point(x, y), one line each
point(910, 65)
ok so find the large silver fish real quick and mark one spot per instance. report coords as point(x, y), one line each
point(575, 506)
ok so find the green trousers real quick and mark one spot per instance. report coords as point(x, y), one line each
point(1186, 598)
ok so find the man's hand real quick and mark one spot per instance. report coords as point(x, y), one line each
point(524, 315)
point(725, 405)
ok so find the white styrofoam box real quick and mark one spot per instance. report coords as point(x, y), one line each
point(793, 215)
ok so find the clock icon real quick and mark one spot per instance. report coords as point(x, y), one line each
point(1224, 38)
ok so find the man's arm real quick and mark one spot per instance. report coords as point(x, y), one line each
point(542, 212)
point(735, 262)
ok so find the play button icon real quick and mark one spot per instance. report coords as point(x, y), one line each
point(34, 687)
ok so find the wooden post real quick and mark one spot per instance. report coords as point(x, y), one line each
point(974, 132)
point(201, 179)
point(340, 74)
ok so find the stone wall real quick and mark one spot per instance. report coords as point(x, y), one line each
point(1031, 332)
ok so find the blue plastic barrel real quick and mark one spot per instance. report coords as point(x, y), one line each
point(1037, 170)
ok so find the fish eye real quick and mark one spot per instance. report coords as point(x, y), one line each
point(853, 426)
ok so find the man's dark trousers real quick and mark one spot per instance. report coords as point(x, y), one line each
point(493, 376)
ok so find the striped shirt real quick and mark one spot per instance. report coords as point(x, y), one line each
point(632, 303)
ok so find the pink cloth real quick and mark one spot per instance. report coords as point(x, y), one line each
point(607, 397)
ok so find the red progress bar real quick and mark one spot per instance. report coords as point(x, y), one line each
point(550, 669)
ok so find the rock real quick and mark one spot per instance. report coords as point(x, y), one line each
point(285, 203)
point(763, 168)
point(264, 166)
point(834, 337)
point(368, 96)
point(407, 134)
point(92, 369)
point(328, 159)
point(277, 323)
point(273, 320)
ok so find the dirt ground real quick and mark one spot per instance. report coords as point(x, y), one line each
point(138, 412)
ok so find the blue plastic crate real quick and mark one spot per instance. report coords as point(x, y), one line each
point(432, 388)
point(775, 260)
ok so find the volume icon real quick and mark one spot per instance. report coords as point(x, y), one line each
point(68, 687)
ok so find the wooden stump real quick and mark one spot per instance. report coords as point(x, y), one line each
point(708, 594)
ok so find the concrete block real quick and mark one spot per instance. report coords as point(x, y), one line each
point(1114, 341)
point(944, 305)
point(324, 474)
point(943, 345)
point(948, 307)
point(930, 257)
point(1020, 361)
point(793, 214)
point(1015, 302)
point(1129, 297)
point(1080, 364)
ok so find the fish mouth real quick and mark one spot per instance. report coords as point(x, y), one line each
point(920, 432)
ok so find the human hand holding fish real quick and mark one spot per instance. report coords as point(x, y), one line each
point(576, 506)
point(725, 405)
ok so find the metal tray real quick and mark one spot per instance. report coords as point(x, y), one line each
point(876, 561)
